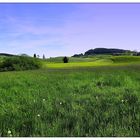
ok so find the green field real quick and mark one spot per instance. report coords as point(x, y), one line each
point(92, 61)
point(94, 96)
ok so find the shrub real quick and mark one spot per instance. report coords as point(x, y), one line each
point(18, 63)
point(65, 59)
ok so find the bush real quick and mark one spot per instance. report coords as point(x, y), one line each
point(18, 63)
point(65, 59)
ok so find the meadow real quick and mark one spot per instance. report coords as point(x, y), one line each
point(92, 61)
point(90, 97)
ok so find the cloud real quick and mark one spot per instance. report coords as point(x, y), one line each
point(25, 34)
point(77, 31)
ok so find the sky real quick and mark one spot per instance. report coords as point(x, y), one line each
point(68, 29)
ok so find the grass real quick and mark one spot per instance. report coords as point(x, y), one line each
point(71, 59)
point(92, 61)
point(86, 101)
point(126, 59)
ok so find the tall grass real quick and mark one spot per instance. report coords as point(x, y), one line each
point(76, 102)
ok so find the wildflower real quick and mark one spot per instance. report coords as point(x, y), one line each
point(38, 115)
point(60, 103)
point(122, 101)
point(9, 132)
point(86, 135)
point(10, 135)
point(97, 97)
point(43, 99)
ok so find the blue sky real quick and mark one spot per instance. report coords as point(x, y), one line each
point(66, 29)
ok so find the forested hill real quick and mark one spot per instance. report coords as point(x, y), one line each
point(104, 51)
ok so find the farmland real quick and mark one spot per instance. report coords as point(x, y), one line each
point(93, 96)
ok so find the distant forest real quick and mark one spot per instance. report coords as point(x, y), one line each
point(96, 51)
point(102, 51)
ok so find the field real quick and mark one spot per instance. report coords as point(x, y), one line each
point(95, 96)
point(92, 61)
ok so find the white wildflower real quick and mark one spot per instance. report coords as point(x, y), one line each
point(97, 97)
point(60, 103)
point(38, 115)
point(122, 101)
point(86, 135)
point(9, 132)
point(43, 99)
point(10, 135)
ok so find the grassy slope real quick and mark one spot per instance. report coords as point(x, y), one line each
point(98, 101)
point(92, 61)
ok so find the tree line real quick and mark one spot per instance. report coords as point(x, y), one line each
point(65, 59)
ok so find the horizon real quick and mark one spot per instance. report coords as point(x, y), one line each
point(63, 55)
point(67, 29)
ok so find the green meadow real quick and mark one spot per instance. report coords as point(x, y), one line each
point(89, 96)
point(92, 61)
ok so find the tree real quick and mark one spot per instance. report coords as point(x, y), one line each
point(34, 55)
point(43, 56)
point(77, 55)
point(65, 59)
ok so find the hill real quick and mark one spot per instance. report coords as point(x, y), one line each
point(6, 54)
point(102, 51)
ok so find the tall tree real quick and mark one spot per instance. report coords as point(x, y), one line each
point(43, 56)
point(34, 55)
